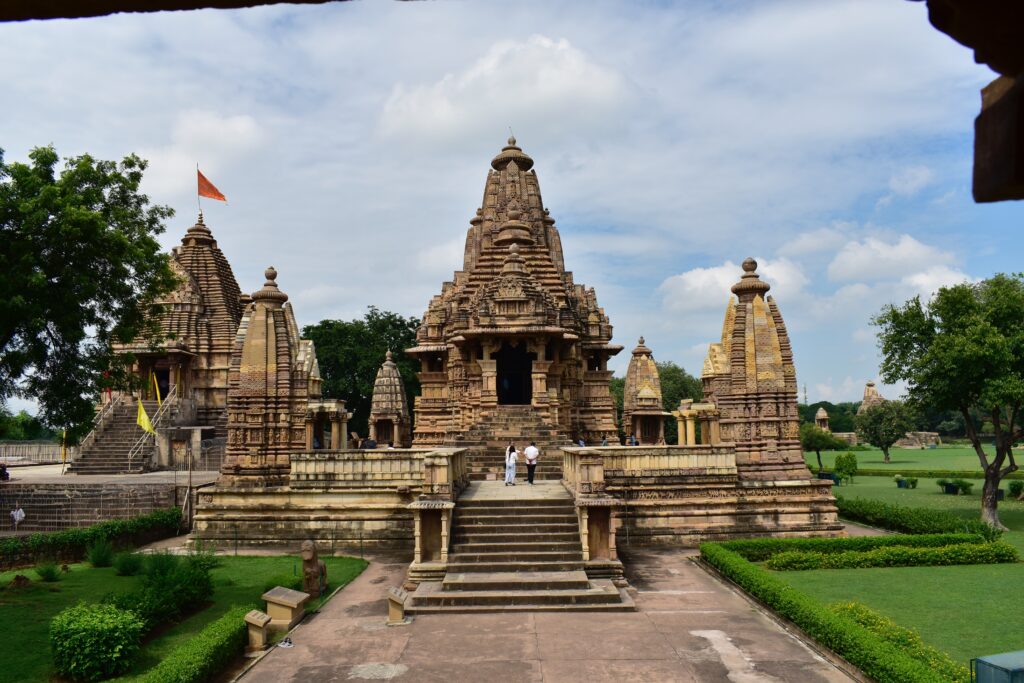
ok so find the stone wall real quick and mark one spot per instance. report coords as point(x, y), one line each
point(52, 507)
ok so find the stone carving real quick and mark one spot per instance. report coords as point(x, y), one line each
point(821, 419)
point(514, 322)
point(314, 571)
point(389, 409)
point(643, 416)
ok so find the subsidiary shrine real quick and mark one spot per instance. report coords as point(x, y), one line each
point(511, 350)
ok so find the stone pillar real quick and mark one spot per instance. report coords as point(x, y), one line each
point(446, 516)
point(309, 432)
point(716, 431)
point(417, 555)
point(488, 384)
point(539, 375)
point(691, 429)
point(337, 429)
point(584, 519)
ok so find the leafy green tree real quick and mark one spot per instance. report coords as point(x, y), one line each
point(816, 439)
point(676, 384)
point(23, 427)
point(964, 351)
point(846, 465)
point(350, 353)
point(82, 267)
point(840, 415)
point(617, 386)
point(884, 424)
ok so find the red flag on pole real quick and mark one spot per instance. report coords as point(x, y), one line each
point(206, 188)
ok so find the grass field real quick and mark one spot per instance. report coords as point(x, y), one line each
point(960, 458)
point(26, 614)
point(966, 611)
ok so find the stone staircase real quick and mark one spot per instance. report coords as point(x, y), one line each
point(486, 442)
point(108, 452)
point(516, 550)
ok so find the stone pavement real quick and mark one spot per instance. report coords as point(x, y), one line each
point(688, 627)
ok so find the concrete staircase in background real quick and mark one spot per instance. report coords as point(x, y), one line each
point(108, 452)
point(487, 440)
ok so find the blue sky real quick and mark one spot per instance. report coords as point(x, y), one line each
point(832, 141)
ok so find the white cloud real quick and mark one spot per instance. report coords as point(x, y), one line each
point(875, 258)
point(927, 282)
point(700, 289)
point(911, 180)
point(814, 241)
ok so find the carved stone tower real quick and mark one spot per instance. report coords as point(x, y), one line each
point(750, 377)
point(643, 415)
point(512, 328)
point(273, 375)
point(821, 419)
point(389, 410)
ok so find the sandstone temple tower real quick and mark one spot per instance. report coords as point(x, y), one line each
point(512, 334)
point(643, 415)
point(750, 378)
point(389, 409)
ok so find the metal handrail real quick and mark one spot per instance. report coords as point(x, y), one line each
point(158, 417)
point(105, 412)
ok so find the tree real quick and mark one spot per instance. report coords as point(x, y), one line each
point(884, 424)
point(349, 354)
point(964, 351)
point(82, 268)
point(617, 387)
point(813, 438)
point(22, 427)
point(676, 384)
point(846, 465)
point(840, 415)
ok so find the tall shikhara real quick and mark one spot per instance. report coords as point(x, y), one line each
point(750, 378)
point(512, 328)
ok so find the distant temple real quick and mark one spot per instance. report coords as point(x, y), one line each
point(643, 416)
point(389, 409)
point(821, 419)
point(512, 335)
point(871, 398)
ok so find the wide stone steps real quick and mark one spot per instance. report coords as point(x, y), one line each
point(596, 595)
point(470, 547)
point(454, 565)
point(108, 453)
point(527, 581)
point(486, 538)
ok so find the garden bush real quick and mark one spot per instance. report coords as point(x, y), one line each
point(70, 544)
point(1016, 488)
point(937, 474)
point(906, 640)
point(911, 520)
point(48, 571)
point(205, 655)
point(757, 550)
point(91, 642)
point(170, 588)
point(964, 486)
point(846, 465)
point(877, 658)
point(896, 556)
point(100, 553)
point(128, 563)
point(286, 580)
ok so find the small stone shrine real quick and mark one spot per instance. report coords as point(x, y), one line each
point(821, 419)
point(643, 416)
point(389, 409)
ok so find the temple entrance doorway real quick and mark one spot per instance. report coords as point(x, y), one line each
point(650, 430)
point(384, 432)
point(515, 385)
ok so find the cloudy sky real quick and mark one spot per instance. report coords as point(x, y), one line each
point(831, 140)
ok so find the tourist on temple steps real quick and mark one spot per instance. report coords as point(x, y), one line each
point(369, 442)
point(604, 441)
point(511, 458)
point(531, 461)
point(17, 515)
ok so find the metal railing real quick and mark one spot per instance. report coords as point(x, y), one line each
point(148, 440)
point(108, 409)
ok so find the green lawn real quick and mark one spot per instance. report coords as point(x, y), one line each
point(905, 460)
point(26, 614)
point(966, 611)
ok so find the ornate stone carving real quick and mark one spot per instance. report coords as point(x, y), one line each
point(314, 571)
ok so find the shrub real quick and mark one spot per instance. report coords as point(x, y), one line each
point(170, 588)
point(906, 640)
point(90, 642)
point(877, 658)
point(1016, 488)
point(48, 571)
point(912, 482)
point(964, 486)
point(846, 465)
point(205, 655)
point(286, 580)
point(100, 553)
point(896, 556)
point(911, 520)
point(758, 550)
point(127, 563)
point(71, 544)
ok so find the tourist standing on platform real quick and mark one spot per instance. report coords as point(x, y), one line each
point(17, 515)
point(511, 458)
point(532, 454)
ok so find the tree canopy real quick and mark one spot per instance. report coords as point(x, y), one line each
point(81, 266)
point(964, 351)
point(676, 385)
point(884, 424)
point(350, 353)
point(840, 415)
point(23, 427)
point(813, 438)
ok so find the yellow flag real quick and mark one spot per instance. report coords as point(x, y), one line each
point(143, 420)
point(156, 388)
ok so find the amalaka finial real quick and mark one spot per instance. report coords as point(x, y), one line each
point(270, 292)
point(200, 220)
point(387, 356)
point(749, 265)
point(640, 341)
point(750, 282)
point(271, 274)
point(511, 140)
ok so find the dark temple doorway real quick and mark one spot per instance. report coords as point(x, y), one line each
point(515, 385)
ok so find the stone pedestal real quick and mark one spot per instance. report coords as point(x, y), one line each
point(286, 607)
point(258, 624)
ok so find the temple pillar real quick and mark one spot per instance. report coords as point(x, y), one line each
point(309, 432)
point(337, 429)
point(691, 430)
point(716, 432)
point(418, 530)
point(539, 375)
point(488, 383)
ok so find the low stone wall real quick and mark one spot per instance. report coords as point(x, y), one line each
point(52, 506)
point(344, 500)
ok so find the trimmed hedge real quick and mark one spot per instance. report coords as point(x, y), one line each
point(870, 653)
point(910, 520)
point(906, 640)
point(71, 544)
point(171, 587)
point(895, 556)
point(935, 474)
point(92, 642)
point(758, 550)
point(205, 655)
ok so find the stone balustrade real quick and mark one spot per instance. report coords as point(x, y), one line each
point(426, 470)
point(652, 460)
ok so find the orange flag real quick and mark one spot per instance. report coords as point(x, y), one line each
point(206, 188)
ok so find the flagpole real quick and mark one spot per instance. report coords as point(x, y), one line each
point(199, 198)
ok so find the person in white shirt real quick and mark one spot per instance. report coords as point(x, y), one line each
point(531, 461)
point(511, 458)
point(17, 515)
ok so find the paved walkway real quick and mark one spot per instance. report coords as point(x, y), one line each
point(51, 474)
point(689, 627)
